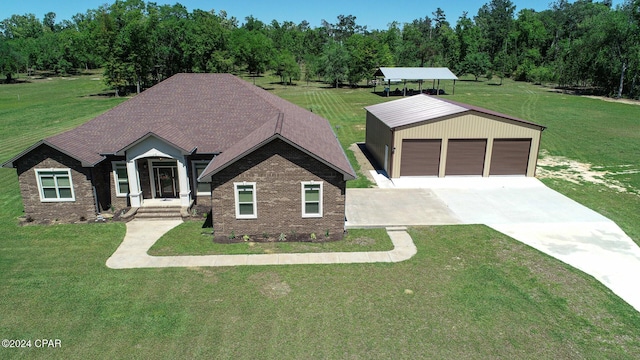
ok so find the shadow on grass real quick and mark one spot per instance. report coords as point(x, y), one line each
point(15, 82)
point(285, 83)
point(376, 166)
point(105, 94)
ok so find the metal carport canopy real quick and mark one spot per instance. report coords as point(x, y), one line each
point(416, 73)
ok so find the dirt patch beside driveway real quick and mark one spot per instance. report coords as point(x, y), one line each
point(560, 167)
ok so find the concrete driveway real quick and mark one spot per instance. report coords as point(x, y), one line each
point(403, 207)
point(522, 208)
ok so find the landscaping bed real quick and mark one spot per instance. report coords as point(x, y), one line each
point(190, 238)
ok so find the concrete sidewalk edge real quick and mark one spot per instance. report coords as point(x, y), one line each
point(142, 234)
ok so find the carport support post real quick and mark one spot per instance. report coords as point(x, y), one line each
point(454, 87)
point(438, 91)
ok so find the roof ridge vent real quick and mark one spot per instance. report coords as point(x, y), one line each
point(279, 123)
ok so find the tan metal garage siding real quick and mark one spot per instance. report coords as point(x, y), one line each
point(466, 157)
point(420, 157)
point(377, 136)
point(510, 157)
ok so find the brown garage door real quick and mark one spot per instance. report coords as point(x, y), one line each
point(510, 157)
point(465, 156)
point(420, 157)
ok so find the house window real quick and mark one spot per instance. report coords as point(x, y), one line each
point(245, 194)
point(120, 178)
point(55, 185)
point(202, 188)
point(312, 199)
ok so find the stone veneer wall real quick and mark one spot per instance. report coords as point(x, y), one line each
point(44, 157)
point(202, 201)
point(278, 170)
point(106, 169)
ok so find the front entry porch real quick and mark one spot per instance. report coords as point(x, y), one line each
point(158, 179)
point(161, 182)
point(157, 170)
point(162, 203)
point(162, 208)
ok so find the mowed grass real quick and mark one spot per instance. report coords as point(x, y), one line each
point(470, 292)
point(42, 107)
point(603, 134)
point(190, 238)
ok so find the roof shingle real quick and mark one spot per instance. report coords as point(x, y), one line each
point(208, 112)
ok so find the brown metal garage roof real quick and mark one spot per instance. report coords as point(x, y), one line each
point(419, 108)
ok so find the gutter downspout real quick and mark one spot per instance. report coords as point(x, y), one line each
point(96, 203)
point(392, 152)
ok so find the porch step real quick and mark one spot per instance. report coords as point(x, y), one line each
point(158, 212)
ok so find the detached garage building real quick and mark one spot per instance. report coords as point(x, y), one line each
point(428, 136)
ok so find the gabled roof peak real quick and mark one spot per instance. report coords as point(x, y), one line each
point(417, 108)
point(315, 138)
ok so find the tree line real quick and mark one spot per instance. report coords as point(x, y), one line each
point(583, 43)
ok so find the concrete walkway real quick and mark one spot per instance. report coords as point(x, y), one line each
point(522, 208)
point(142, 234)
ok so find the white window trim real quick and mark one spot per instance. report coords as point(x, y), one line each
point(41, 190)
point(302, 198)
point(114, 164)
point(195, 176)
point(237, 204)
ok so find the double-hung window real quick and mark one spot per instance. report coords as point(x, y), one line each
point(245, 199)
point(55, 185)
point(120, 178)
point(202, 188)
point(312, 199)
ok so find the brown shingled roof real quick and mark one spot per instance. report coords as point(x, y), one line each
point(300, 128)
point(207, 112)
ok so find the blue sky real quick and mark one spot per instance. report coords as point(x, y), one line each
point(376, 14)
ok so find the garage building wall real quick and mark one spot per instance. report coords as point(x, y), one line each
point(467, 126)
point(377, 136)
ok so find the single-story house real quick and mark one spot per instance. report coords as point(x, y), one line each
point(260, 163)
point(423, 135)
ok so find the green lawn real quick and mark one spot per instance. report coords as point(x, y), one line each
point(190, 238)
point(470, 292)
point(603, 134)
point(32, 111)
